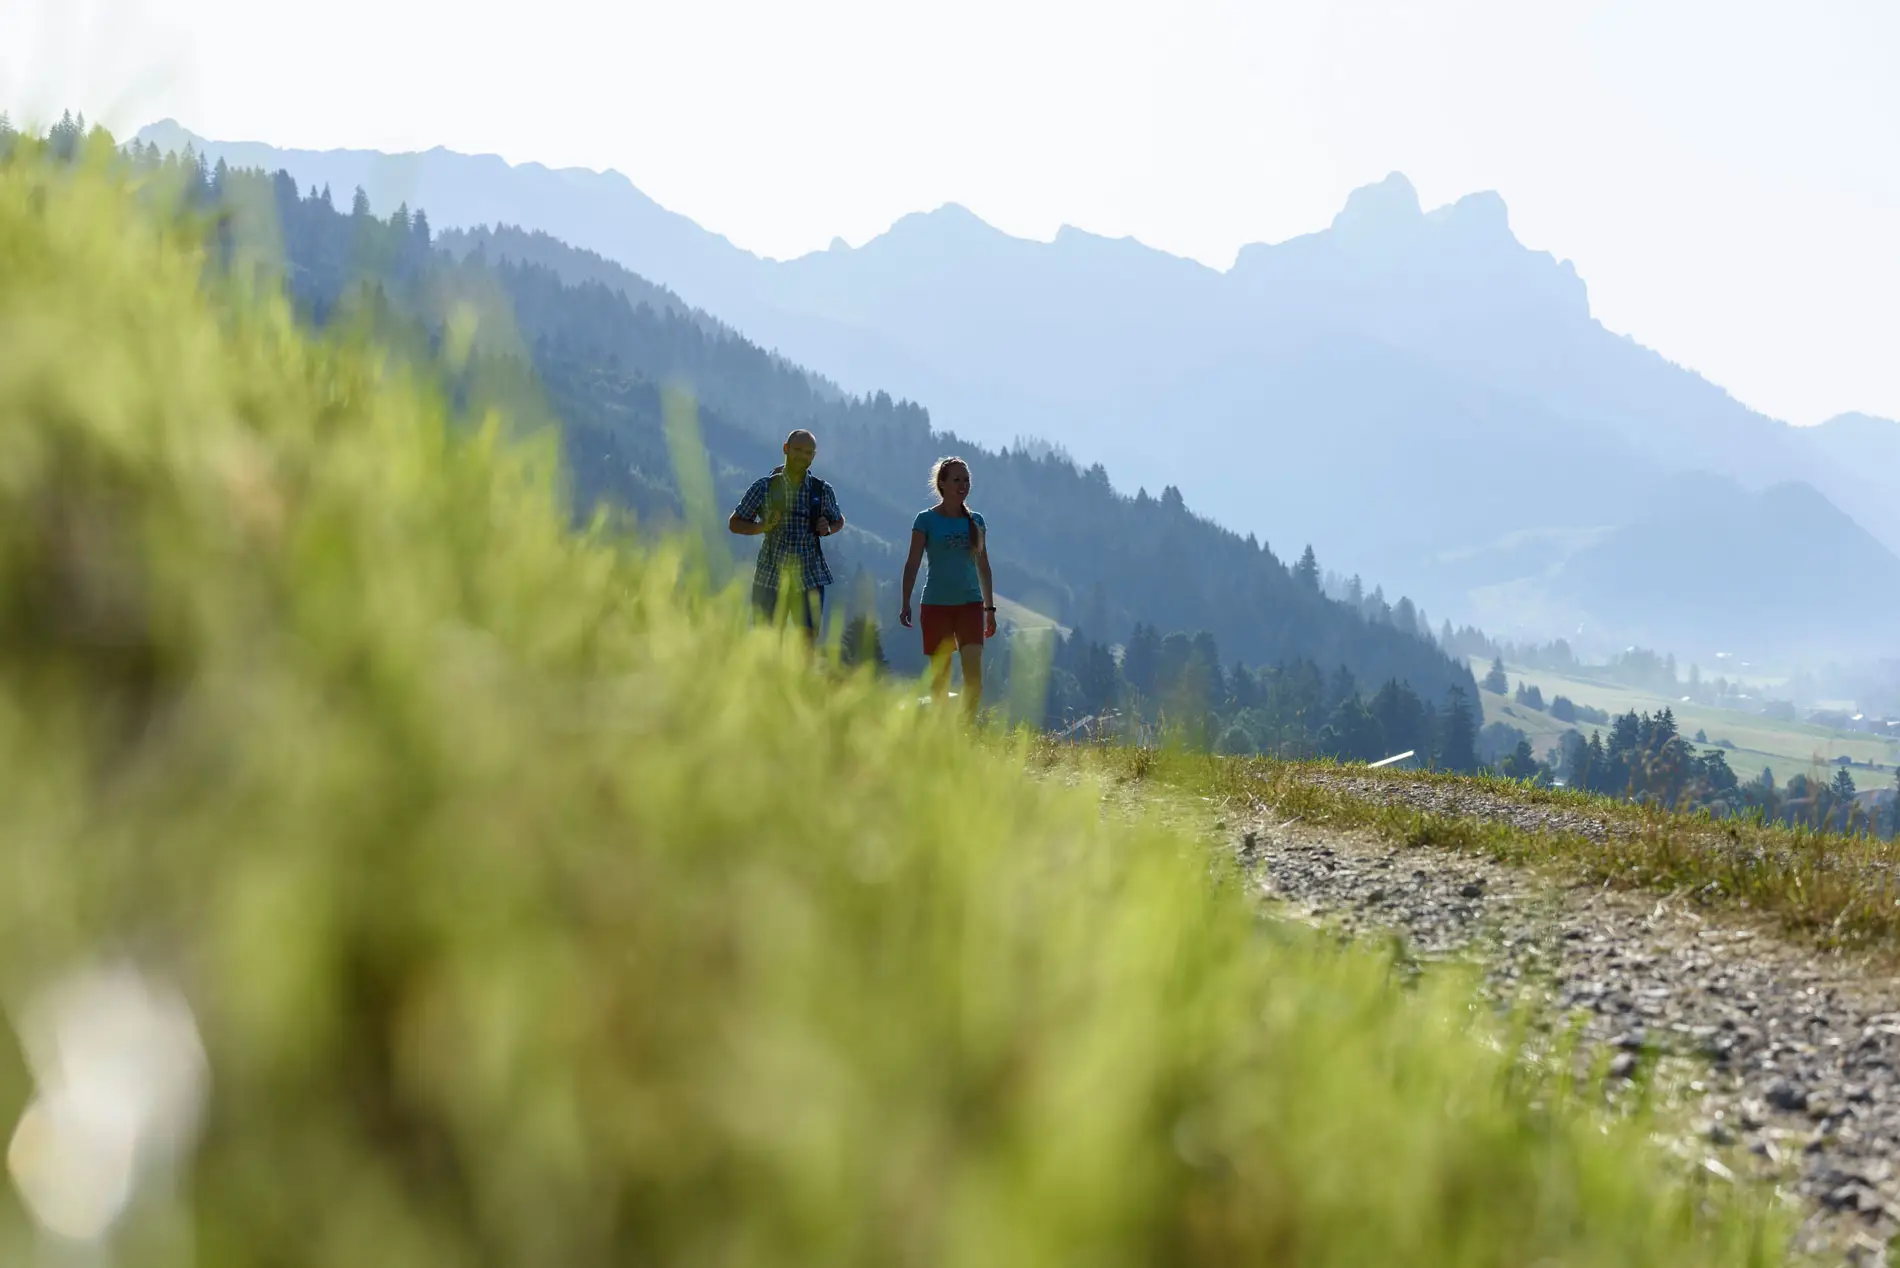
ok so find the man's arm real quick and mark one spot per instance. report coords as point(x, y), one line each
point(828, 512)
point(745, 518)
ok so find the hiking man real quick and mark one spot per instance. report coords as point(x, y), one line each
point(791, 508)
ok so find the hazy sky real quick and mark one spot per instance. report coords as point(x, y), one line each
point(1725, 173)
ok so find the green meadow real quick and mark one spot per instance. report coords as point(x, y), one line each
point(1787, 748)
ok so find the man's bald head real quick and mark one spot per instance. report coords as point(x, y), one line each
point(800, 448)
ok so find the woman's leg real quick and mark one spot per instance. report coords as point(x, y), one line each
point(972, 676)
point(939, 641)
point(940, 672)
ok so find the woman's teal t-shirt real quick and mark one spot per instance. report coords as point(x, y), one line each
point(950, 576)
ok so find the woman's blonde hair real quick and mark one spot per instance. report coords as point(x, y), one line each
point(937, 471)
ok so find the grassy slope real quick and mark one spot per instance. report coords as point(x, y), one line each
point(1788, 748)
point(537, 910)
point(1837, 891)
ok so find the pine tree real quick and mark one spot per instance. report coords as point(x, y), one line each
point(1896, 801)
point(861, 644)
point(1353, 733)
point(63, 137)
point(359, 206)
point(1843, 786)
point(1141, 660)
point(1099, 679)
point(1340, 688)
point(1496, 682)
point(1458, 745)
point(1306, 572)
point(1521, 763)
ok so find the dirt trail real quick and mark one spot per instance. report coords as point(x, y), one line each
point(1794, 1054)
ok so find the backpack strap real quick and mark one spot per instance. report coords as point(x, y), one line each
point(817, 489)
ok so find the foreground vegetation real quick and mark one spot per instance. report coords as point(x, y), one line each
point(534, 909)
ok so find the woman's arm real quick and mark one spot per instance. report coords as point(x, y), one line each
point(989, 590)
point(910, 574)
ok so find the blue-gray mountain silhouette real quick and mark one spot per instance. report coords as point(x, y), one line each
point(1414, 391)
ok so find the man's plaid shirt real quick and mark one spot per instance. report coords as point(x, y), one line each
point(793, 539)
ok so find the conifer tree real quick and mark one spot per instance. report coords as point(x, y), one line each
point(1496, 682)
point(861, 644)
point(1306, 572)
point(1458, 746)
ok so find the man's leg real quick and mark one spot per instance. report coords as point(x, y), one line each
point(765, 600)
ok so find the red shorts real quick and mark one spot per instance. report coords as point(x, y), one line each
point(958, 624)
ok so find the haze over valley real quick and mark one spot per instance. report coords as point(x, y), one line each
point(1412, 391)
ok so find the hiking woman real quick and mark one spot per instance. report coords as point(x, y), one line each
point(959, 601)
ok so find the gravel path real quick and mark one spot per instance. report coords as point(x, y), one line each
point(1794, 1055)
point(1472, 803)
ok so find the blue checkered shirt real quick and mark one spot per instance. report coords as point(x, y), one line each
point(793, 539)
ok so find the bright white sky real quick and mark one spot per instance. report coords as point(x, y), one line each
point(1725, 173)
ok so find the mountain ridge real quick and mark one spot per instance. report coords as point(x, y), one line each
point(1386, 387)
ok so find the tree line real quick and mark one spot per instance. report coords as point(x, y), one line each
point(1646, 759)
point(603, 352)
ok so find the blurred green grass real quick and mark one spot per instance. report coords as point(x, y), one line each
point(537, 909)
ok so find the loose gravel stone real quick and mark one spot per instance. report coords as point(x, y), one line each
point(1472, 803)
point(1795, 1055)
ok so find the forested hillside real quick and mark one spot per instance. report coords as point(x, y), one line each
point(1387, 387)
point(1090, 557)
point(606, 345)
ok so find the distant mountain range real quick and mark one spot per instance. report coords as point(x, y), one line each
point(1415, 392)
point(1710, 557)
